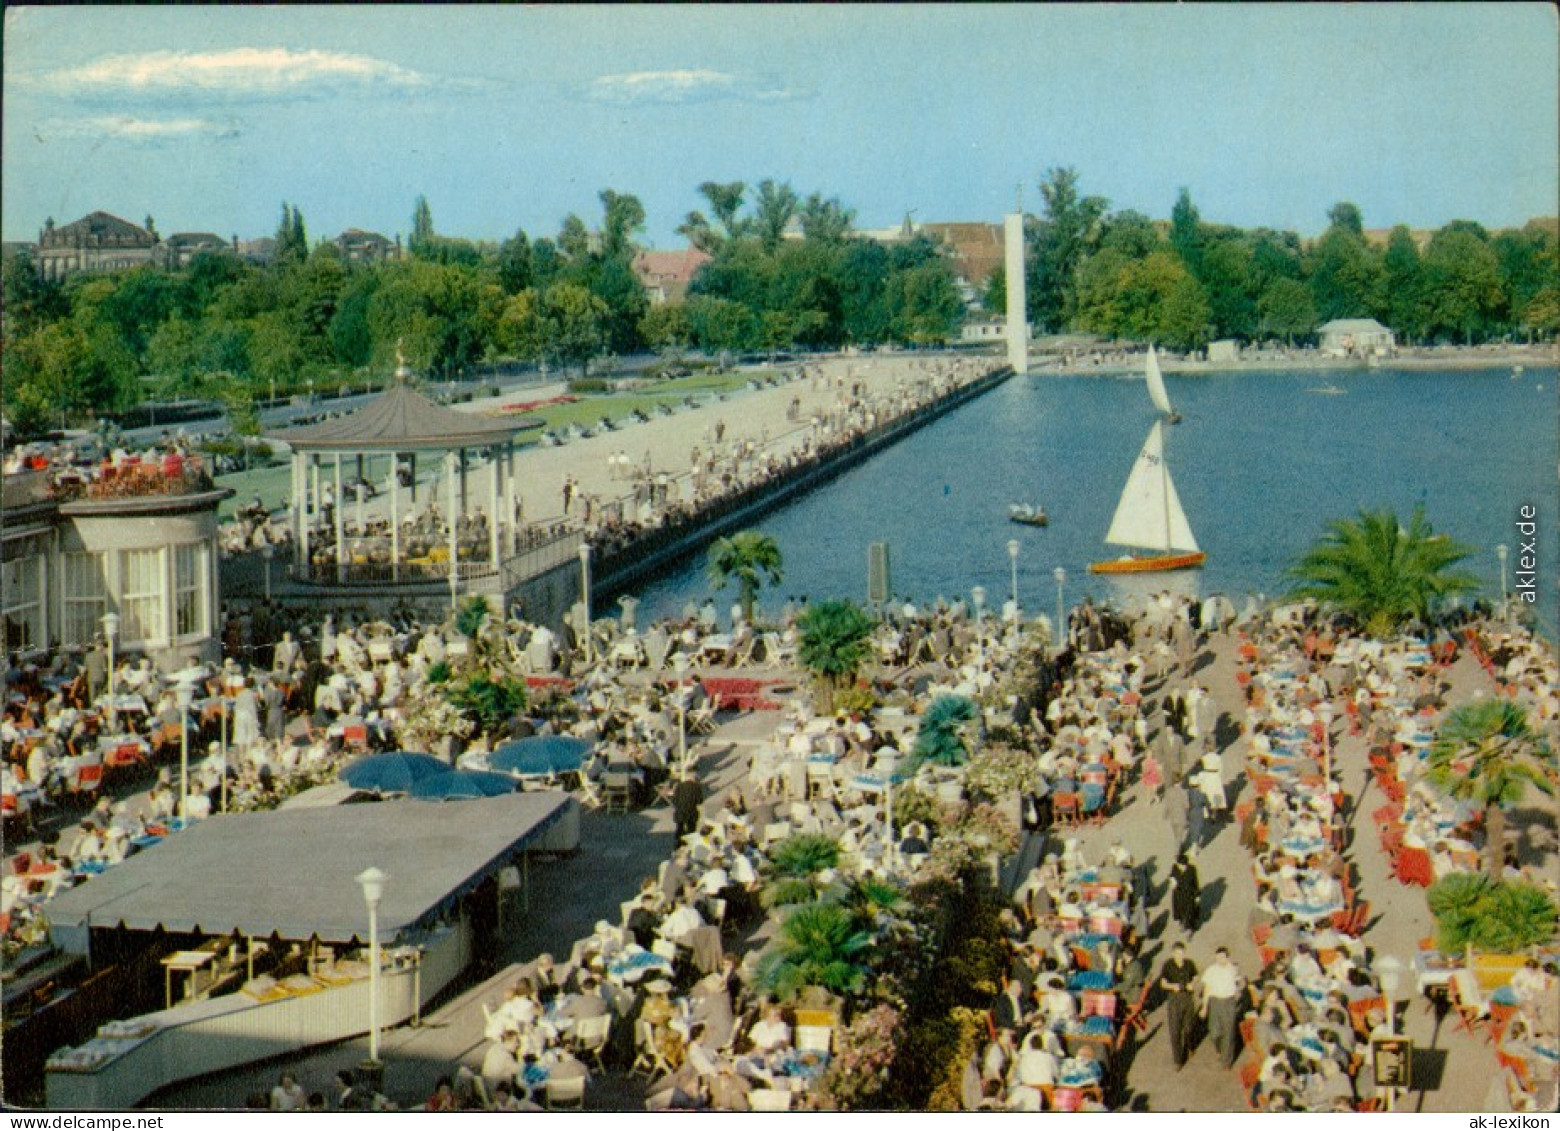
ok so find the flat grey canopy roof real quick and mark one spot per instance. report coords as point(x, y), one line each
point(293, 872)
point(402, 420)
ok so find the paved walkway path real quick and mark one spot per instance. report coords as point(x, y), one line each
point(1453, 1070)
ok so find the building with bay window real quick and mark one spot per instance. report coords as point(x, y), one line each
point(139, 541)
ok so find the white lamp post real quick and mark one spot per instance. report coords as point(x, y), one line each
point(1013, 548)
point(185, 694)
point(585, 598)
point(373, 883)
point(1500, 552)
point(1061, 613)
point(110, 631)
point(680, 664)
point(978, 594)
point(268, 552)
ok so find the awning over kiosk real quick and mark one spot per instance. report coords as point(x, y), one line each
point(294, 872)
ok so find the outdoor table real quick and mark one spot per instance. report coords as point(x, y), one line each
point(1090, 980)
point(185, 962)
point(1310, 912)
point(1303, 846)
point(632, 967)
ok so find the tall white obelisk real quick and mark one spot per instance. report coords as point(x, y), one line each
point(1017, 323)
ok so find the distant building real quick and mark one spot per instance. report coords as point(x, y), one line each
point(358, 246)
point(259, 252)
point(177, 250)
point(1224, 350)
point(1355, 337)
point(987, 330)
point(98, 242)
point(974, 250)
point(666, 275)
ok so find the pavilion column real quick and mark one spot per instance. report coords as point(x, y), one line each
point(494, 497)
point(314, 475)
point(513, 488)
point(310, 467)
point(297, 509)
point(465, 499)
point(449, 468)
point(337, 514)
point(395, 517)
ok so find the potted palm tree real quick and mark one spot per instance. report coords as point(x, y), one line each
point(1487, 752)
point(834, 644)
point(1381, 574)
point(799, 867)
point(818, 945)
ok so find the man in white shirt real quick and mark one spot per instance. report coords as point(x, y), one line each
point(684, 918)
point(1222, 986)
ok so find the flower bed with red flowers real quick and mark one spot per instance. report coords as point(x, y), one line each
point(732, 693)
point(530, 406)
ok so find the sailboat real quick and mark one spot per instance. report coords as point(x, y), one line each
point(1156, 387)
point(1149, 517)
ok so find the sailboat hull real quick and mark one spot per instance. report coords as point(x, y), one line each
point(1158, 563)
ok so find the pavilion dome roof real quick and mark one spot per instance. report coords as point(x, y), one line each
point(401, 419)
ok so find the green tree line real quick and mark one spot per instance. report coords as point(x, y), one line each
point(308, 318)
point(1121, 275)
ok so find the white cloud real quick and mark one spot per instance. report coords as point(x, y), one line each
point(140, 131)
point(689, 85)
point(239, 72)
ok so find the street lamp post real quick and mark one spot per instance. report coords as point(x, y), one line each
point(1501, 552)
point(268, 552)
point(186, 696)
point(585, 599)
point(1013, 548)
point(373, 883)
point(110, 631)
point(978, 594)
point(1061, 611)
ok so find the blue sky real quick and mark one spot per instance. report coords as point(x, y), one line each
point(208, 118)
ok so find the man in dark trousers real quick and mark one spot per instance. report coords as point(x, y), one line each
point(687, 798)
point(1177, 980)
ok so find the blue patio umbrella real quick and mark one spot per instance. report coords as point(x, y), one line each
point(463, 785)
point(541, 754)
point(394, 771)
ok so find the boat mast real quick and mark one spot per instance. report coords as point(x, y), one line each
point(1164, 483)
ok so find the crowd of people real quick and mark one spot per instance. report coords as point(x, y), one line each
point(670, 990)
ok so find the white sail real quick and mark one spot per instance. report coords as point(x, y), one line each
point(1156, 383)
point(1149, 515)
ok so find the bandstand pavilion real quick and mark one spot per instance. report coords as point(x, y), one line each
point(461, 535)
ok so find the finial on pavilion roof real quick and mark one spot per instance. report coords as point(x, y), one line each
point(403, 372)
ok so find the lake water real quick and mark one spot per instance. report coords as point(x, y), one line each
point(1261, 462)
